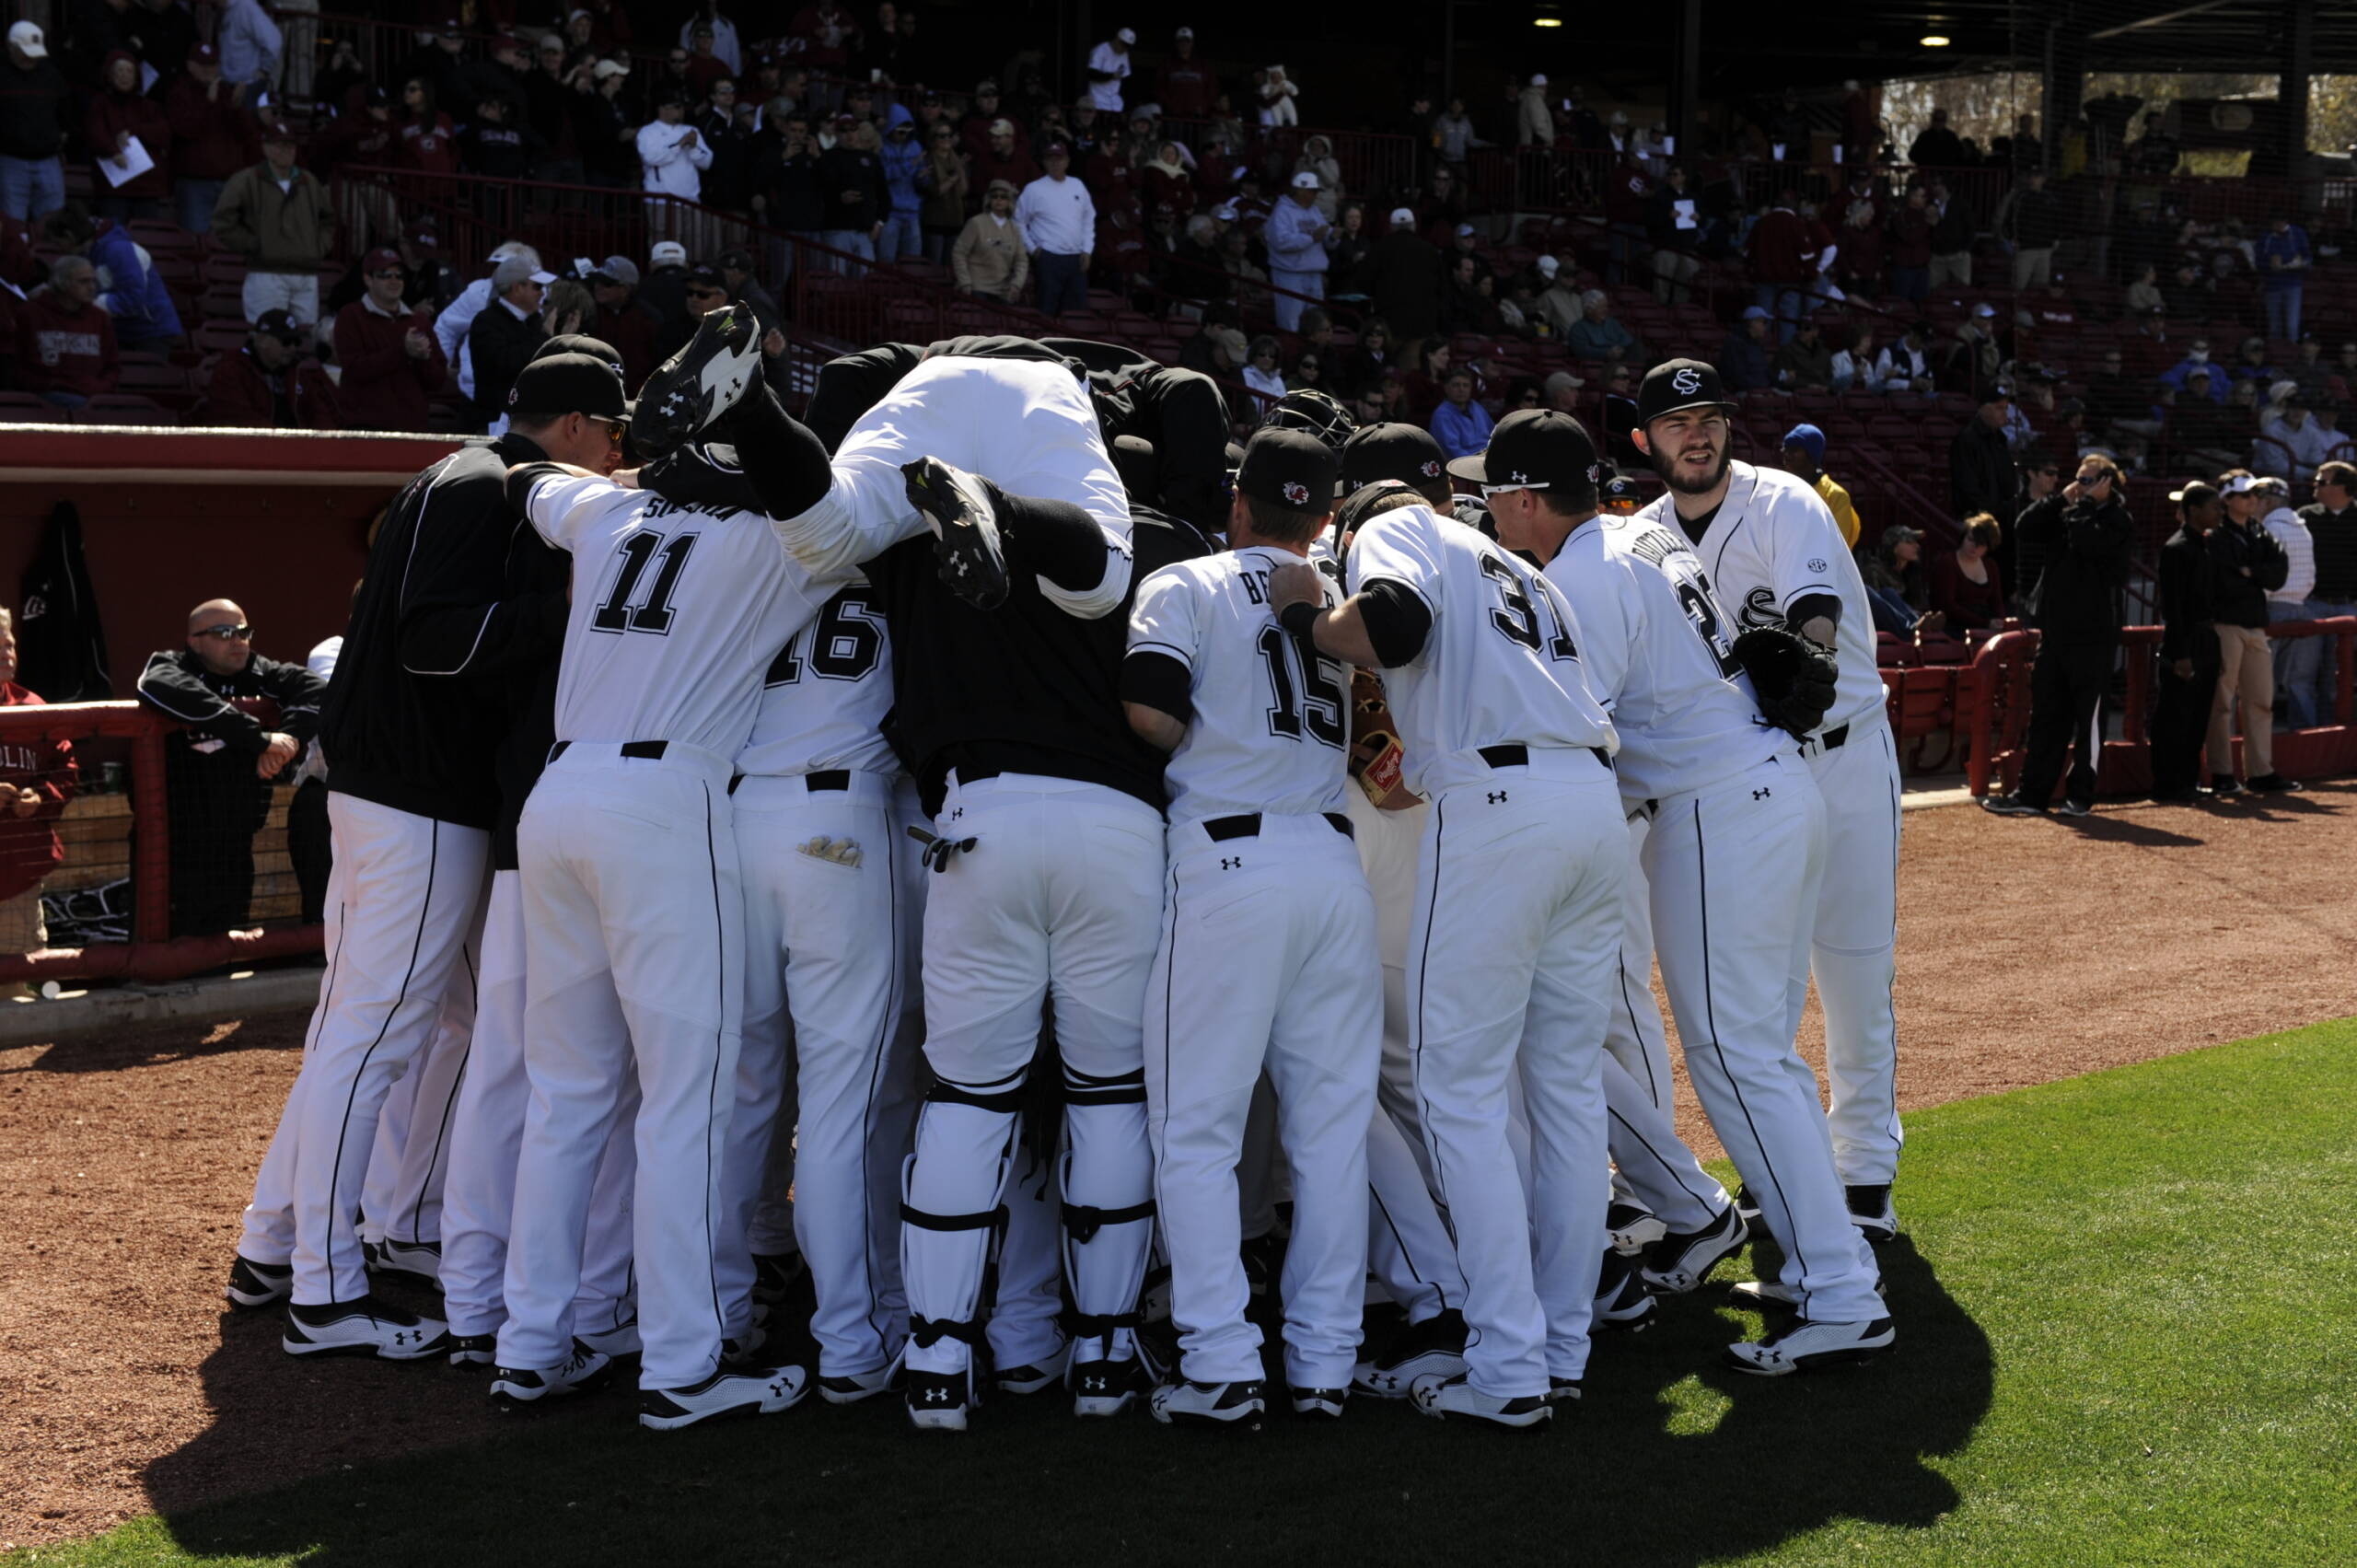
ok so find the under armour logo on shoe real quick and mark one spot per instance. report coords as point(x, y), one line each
point(1234, 864)
point(1497, 798)
point(1759, 795)
point(937, 1396)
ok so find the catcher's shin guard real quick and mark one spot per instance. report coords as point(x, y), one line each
point(1109, 1210)
point(964, 1148)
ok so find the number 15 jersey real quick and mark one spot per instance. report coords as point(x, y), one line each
point(1500, 664)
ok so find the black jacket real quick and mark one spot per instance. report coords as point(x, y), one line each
point(2083, 547)
point(32, 110)
point(1980, 468)
point(1403, 273)
point(2249, 565)
point(2335, 535)
point(61, 642)
point(501, 343)
point(2186, 578)
point(846, 169)
point(176, 684)
point(415, 717)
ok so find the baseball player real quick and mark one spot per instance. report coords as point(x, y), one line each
point(1731, 857)
point(1006, 653)
point(1776, 558)
point(833, 895)
point(634, 914)
point(1511, 951)
point(1268, 953)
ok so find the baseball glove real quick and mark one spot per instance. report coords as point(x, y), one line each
point(1791, 677)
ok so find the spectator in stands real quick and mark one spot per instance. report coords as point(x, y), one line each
point(901, 159)
point(990, 260)
point(606, 128)
point(1262, 375)
point(1781, 256)
point(1297, 237)
point(251, 44)
point(1309, 373)
point(1804, 458)
point(494, 149)
point(2296, 659)
point(119, 116)
point(1002, 156)
point(1108, 67)
point(1852, 364)
point(1188, 82)
point(1277, 93)
point(1743, 358)
point(1805, 363)
point(66, 344)
point(2203, 430)
point(671, 152)
point(1937, 146)
point(503, 339)
point(623, 323)
point(1454, 137)
point(1980, 465)
point(392, 363)
point(980, 123)
point(2284, 257)
point(1965, 586)
point(1905, 365)
point(2196, 361)
point(745, 287)
point(1598, 335)
point(1951, 237)
point(34, 102)
point(279, 217)
point(1460, 425)
point(2144, 296)
point(2248, 564)
point(428, 142)
point(1895, 594)
point(2290, 442)
point(942, 179)
point(1166, 180)
point(1428, 366)
point(2041, 476)
point(1534, 124)
point(1367, 359)
point(1972, 359)
point(1911, 245)
point(1247, 284)
point(1218, 351)
point(212, 137)
point(2034, 224)
point(550, 90)
point(1674, 228)
point(263, 387)
point(131, 290)
point(2251, 363)
point(2118, 401)
point(788, 191)
point(1403, 278)
point(851, 184)
point(1058, 223)
point(218, 769)
point(2187, 691)
point(37, 778)
point(726, 183)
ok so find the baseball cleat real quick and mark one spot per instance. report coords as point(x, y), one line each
point(1564, 1392)
point(777, 1274)
point(2074, 808)
point(1774, 1293)
point(583, 1370)
point(1683, 1260)
point(1747, 1206)
point(366, 1327)
point(966, 550)
point(1445, 1397)
point(2273, 784)
point(938, 1401)
point(253, 1284)
point(1633, 1227)
point(850, 1387)
point(1107, 1387)
point(762, 1392)
point(1435, 1347)
point(699, 383)
point(1325, 1403)
point(2010, 805)
point(1032, 1376)
point(1185, 1403)
point(1622, 1302)
point(2223, 787)
point(1873, 1213)
point(474, 1350)
point(420, 1260)
point(620, 1340)
point(1804, 1346)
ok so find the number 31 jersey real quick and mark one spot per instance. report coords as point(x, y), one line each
point(1656, 646)
point(1268, 723)
point(1501, 664)
point(676, 611)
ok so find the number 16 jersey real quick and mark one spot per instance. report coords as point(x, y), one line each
point(1501, 663)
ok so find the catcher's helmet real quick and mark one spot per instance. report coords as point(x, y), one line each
point(1315, 412)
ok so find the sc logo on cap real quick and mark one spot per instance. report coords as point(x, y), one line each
point(1686, 383)
point(1297, 492)
point(1431, 469)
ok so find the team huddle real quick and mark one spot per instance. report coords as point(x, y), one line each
point(965, 846)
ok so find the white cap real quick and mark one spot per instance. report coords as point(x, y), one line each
point(1984, 310)
point(607, 70)
point(1539, 78)
point(668, 253)
point(2241, 484)
point(1463, 229)
point(1184, 32)
point(1224, 212)
point(1403, 217)
point(1306, 180)
point(26, 39)
point(1548, 266)
point(1127, 35)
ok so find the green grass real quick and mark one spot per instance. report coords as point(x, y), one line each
point(2124, 1339)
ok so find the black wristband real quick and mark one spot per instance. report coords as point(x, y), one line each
point(1300, 619)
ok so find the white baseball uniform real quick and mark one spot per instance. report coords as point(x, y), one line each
point(631, 901)
point(1511, 963)
point(1733, 858)
point(1774, 542)
point(833, 891)
point(1267, 959)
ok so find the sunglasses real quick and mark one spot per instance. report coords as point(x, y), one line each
point(708, 293)
point(239, 633)
point(386, 272)
point(615, 429)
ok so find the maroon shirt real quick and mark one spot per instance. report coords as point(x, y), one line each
point(111, 114)
point(29, 846)
point(64, 350)
point(1968, 606)
point(212, 137)
point(383, 388)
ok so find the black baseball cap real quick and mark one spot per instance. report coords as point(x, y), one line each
point(1404, 452)
point(279, 324)
point(1620, 487)
point(568, 383)
point(579, 342)
point(1289, 468)
point(1677, 384)
point(1536, 448)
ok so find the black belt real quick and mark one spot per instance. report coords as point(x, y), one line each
point(1835, 738)
point(1245, 825)
point(644, 751)
point(1519, 756)
point(824, 778)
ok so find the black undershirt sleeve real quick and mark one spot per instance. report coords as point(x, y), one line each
point(785, 462)
point(1158, 681)
point(1055, 538)
point(1396, 619)
point(1810, 607)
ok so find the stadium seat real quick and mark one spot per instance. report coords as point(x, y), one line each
point(218, 336)
point(121, 408)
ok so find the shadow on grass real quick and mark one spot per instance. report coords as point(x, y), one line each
point(1673, 1460)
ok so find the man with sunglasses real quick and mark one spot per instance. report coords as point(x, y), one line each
point(217, 771)
point(392, 363)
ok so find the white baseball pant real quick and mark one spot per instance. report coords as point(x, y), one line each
point(1854, 950)
point(487, 1128)
point(1734, 870)
point(1044, 906)
point(401, 901)
point(410, 1160)
point(1511, 969)
point(632, 905)
point(828, 927)
point(1267, 960)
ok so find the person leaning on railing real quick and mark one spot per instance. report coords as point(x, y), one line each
point(37, 777)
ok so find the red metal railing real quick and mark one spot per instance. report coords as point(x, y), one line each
point(153, 954)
